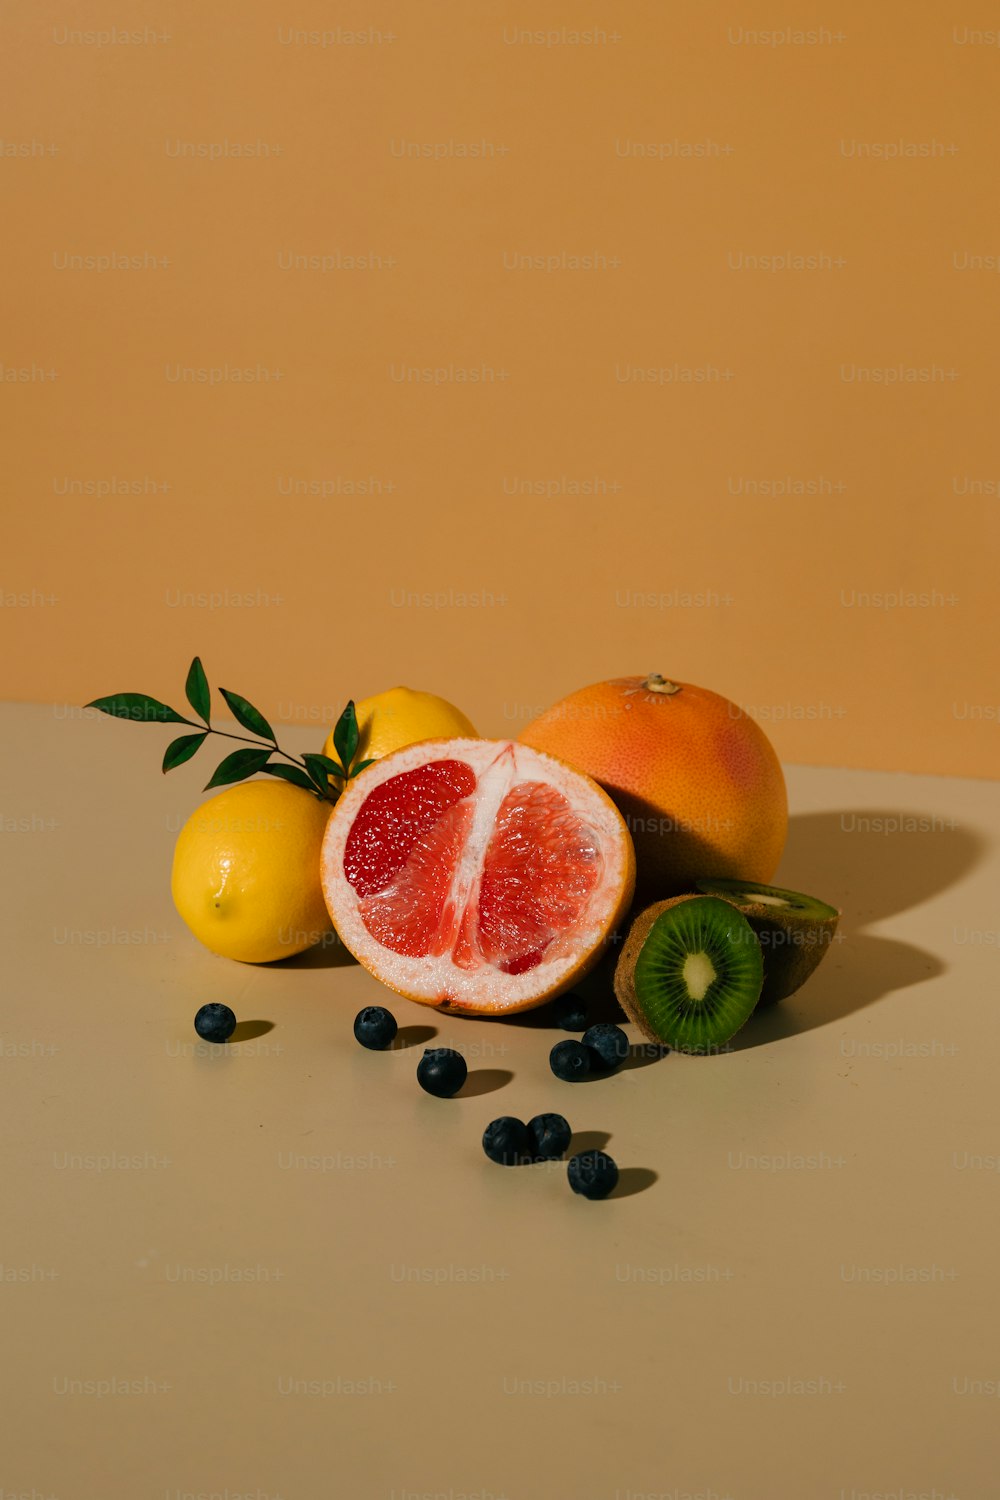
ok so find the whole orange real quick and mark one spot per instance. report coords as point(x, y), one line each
point(695, 777)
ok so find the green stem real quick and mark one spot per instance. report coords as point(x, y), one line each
point(260, 744)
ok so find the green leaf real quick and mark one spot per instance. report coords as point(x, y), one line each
point(319, 769)
point(251, 718)
point(138, 706)
point(345, 735)
point(180, 750)
point(292, 774)
point(333, 766)
point(197, 691)
point(361, 766)
point(238, 766)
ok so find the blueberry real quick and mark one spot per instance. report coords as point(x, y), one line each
point(571, 1013)
point(548, 1137)
point(441, 1071)
point(570, 1061)
point(216, 1023)
point(375, 1027)
point(592, 1173)
point(610, 1043)
point(506, 1140)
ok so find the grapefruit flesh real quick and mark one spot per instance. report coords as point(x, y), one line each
point(476, 875)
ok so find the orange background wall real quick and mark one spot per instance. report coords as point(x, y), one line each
point(678, 149)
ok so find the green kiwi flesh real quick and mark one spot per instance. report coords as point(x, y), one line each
point(690, 972)
point(794, 931)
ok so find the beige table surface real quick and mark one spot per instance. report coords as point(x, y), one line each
point(279, 1269)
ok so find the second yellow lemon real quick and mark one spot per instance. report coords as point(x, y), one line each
point(402, 716)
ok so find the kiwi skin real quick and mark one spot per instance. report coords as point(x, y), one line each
point(793, 947)
point(625, 991)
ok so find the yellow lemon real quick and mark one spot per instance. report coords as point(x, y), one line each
point(246, 875)
point(401, 716)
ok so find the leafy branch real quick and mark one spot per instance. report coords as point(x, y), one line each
point(310, 772)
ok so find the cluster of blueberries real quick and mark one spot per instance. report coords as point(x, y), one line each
point(442, 1071)
point(508, 1141)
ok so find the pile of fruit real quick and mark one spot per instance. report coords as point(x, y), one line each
point(486, 877)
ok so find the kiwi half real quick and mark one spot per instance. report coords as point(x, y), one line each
point(794, 931)
point(690, 972)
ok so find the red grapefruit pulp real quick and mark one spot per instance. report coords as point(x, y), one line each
point(476, 875)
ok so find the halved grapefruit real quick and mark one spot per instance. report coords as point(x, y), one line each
point(476, 875)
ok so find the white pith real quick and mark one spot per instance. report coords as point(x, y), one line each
point(494, 784)
point(498, 765)
point(759, 898)
point(697, 973)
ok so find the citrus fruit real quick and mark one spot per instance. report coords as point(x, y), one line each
point(388, 721)
point(476, 875)
point(246, 871)
point(696, 778)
